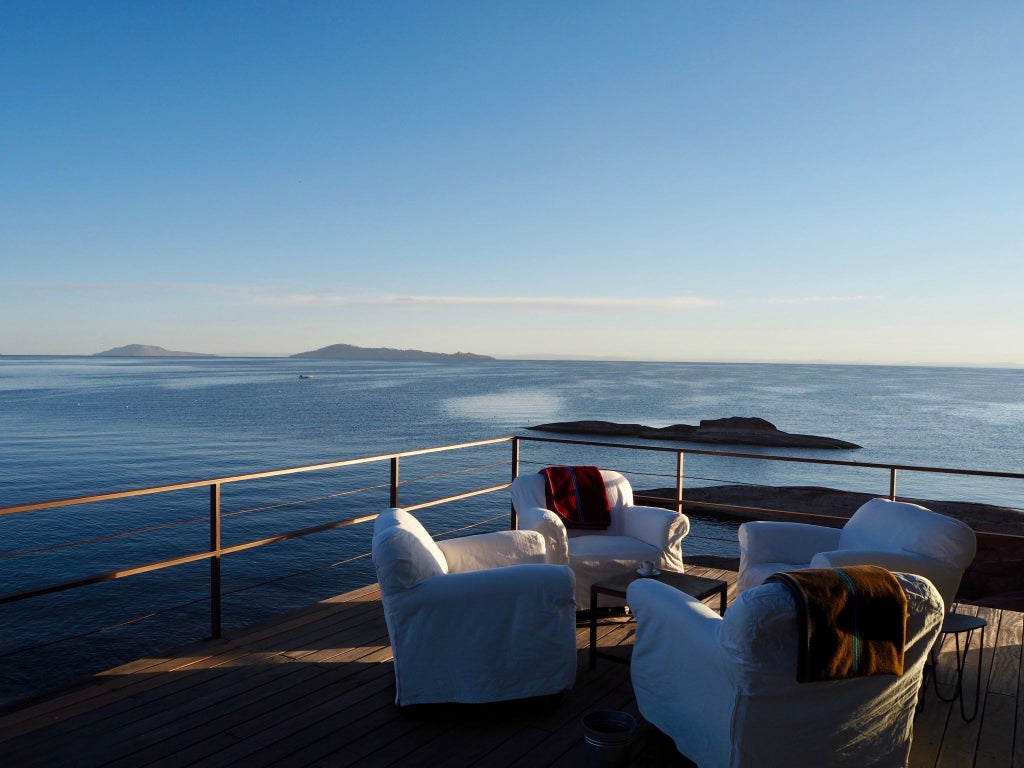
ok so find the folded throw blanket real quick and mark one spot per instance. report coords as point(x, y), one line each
point(577, 495)
point(853, 621)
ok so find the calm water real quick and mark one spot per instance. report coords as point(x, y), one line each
point(75, 426)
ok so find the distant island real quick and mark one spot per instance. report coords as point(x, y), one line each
point(147, 350)
point(735, 430)
point(350, 352)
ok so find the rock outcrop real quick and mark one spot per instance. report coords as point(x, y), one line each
point(734, 430)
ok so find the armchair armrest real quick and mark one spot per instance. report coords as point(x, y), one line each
point(493, 550)
point(663, 611)
point(548, 524)
point(676, 653)
point(662, 528)
point(781, 542)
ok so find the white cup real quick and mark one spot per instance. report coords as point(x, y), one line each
point(648, 567)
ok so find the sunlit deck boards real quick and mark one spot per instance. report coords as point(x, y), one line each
point(316, 688)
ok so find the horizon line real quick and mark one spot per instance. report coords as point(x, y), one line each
point(540, 357)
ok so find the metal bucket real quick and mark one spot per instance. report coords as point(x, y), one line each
point(608, 735)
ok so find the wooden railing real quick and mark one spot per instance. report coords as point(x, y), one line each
point(217, 550)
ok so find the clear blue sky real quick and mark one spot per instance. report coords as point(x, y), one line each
point(659, 180)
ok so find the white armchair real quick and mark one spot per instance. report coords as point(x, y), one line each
point(636, 533)
point(895, 535)
point(475, 619)
point(725, 689)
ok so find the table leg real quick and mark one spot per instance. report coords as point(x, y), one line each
point(960, 672)
point(961, 662)
point(593, 630)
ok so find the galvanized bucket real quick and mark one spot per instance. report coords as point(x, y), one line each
point(608, 736)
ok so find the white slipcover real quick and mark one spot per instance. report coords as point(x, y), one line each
point(892, 534)
point(474, 619)
point(725, 690)
point(636, 533)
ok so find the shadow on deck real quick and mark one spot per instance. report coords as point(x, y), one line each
point(316, 687)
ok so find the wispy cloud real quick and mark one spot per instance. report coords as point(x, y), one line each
point(260, 296)
point(597, 303)
point(812, 299)
point(562, 303)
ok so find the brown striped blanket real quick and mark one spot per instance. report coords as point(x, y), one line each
point(853, 621)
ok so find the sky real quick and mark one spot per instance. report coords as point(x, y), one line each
point(692, 181)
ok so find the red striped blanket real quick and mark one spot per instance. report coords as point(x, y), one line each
point(577, 495)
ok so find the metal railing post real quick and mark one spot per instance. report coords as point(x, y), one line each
point(394, 481)
point(892, 484)
point(215, 582)
point(679, 482)
point(514, 521)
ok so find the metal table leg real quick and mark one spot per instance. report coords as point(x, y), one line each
point(957, 624)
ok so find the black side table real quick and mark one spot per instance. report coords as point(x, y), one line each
point(957, 624)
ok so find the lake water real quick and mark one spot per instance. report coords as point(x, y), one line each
point(76, 426)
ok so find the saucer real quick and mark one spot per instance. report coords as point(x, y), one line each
point(655, 572)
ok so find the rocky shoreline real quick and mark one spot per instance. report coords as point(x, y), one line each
point(992, 580)
point(733, 430)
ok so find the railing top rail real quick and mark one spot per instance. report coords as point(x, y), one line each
point(774, 457)
point(92, 498)
point(240, 478)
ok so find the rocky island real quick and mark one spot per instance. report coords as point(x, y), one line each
point(147, 350)
point(734, 430)
point(351, 352)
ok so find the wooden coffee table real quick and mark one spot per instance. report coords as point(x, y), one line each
point(695, 586)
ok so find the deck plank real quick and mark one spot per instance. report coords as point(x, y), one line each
point(138, 676)
point(997, 732)
point(316, 687)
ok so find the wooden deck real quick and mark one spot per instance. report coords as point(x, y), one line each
point(316, 688)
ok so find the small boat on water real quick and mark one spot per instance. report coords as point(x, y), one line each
point(305, 376)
